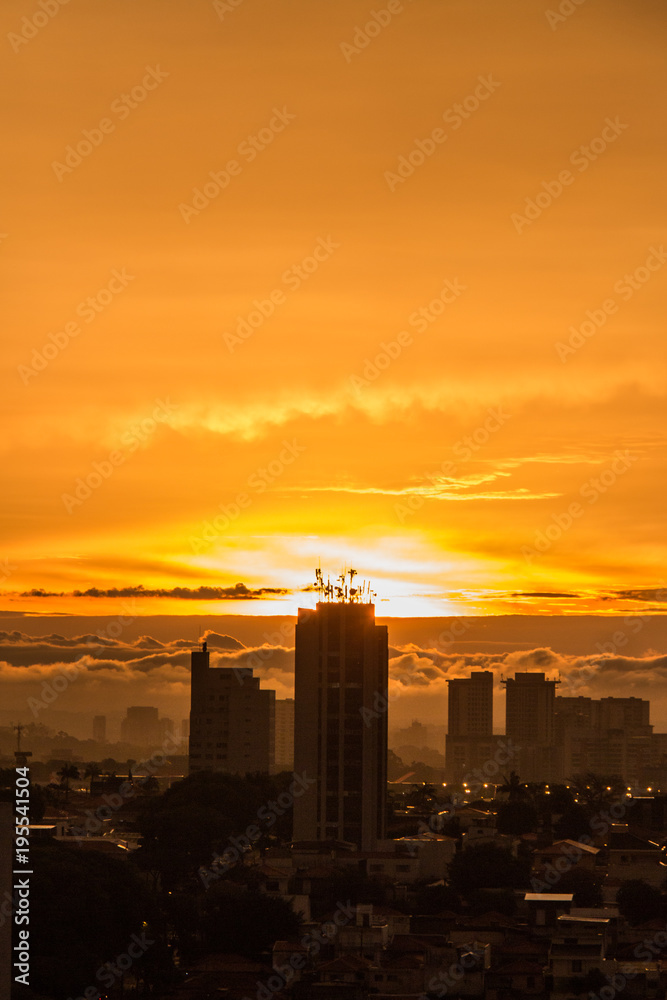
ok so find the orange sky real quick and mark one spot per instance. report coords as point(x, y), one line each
point(464, 183)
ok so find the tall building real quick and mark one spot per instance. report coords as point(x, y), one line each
point(141, 725)
point(340, 734)
point(284, 753)
point(100, 728)
point(470, 741)
point(531, 725)
point(231, 719)
point(608, 736)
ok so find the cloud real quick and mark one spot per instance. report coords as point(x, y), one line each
point(238, 592)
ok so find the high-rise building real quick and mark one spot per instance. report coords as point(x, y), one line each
point(141, 725)
point(530, 724)
point(231, 719)
point(340, 734)
point(608, 736)
point(100, 728)
point(469, 742)
point(284, 753)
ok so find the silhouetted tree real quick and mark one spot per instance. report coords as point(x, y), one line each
point(517, 817)
point(92, 771)
point(638, 901)
point(67, 773)
point(243, 922)
point(514, 787)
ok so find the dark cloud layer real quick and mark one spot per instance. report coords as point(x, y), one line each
point(239, 592)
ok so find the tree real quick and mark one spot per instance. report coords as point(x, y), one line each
point(92, 771)
point(245, 922)
point(517, 817)
point(638, 901)
point(585, 885)
point(574, 823)
point(67, 773)
point(486, 866)
point(599, 790)
point(101, 902)
point(514, 788)
point(433, 899)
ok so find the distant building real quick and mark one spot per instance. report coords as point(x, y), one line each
point(100, 728)
point(284, 753)
point(231, 719)
point(167, 729)
point(185, 728)
point(608, 736)
point(470, 741)
point(531, 725)
point(340, 733)
point(141, 725)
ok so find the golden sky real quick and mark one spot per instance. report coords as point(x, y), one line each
point(469, 192)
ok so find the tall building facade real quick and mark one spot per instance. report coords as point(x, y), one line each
point(340, 738)
point(231, 719)
point(470, 742)
point(100, 728)
point(141, 725)
point(608, 736)
point(284, 752)
point(530, 722)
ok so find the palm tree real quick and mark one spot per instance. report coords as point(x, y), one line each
point(67, 773)
point(92, 771)
point(514, 787)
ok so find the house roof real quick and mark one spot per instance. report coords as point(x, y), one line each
point(560, 847)
point(489, 919)
point(548, 897)
point(291, 946)
point(520, 969)
point(348, 963)
point(624, 841)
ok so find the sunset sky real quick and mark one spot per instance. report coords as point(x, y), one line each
point(452, 192)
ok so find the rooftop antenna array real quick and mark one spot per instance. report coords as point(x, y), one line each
point(343, 591)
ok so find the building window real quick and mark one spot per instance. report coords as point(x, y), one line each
point(576, 965)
